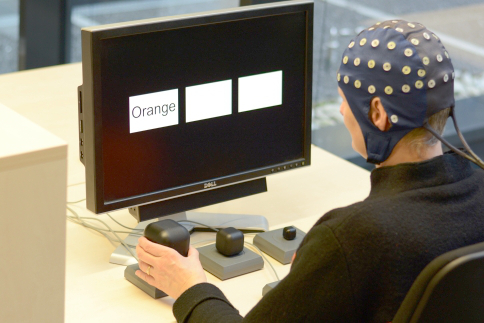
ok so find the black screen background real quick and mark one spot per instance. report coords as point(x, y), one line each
point(160, 159)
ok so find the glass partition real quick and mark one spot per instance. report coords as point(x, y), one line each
point(9, 35)
point(458, 23)
point(84, 15)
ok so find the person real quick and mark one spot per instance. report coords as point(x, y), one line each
point(357, 262)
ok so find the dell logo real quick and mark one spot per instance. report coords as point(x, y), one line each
point(209, 184)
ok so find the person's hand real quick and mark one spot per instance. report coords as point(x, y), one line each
point(169, 271)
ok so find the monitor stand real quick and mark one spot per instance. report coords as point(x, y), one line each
point(244, 222)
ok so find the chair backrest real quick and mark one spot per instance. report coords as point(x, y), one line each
point(449, 289)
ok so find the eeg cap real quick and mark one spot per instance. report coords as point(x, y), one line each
point(408, 68)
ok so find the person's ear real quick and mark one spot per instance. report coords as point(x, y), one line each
point(378, 115)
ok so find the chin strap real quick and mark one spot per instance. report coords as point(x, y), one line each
point(472, 157)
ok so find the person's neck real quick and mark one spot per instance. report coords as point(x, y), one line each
point(404, 154)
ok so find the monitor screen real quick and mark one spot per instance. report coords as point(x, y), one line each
point(179, 105)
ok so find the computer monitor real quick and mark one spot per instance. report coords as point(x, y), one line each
point(180, 112)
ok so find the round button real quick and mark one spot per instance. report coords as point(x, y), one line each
point(345, 59)
point(391, 45)
point(351, 44)
point(371, 89)
point(421, 72)
point(375, 43)
point(408, 52)
point(426, 60)
point(394, 118)
point(371, 63)
point(406, 70)
point(419, 84)
point(387, 67)
point(357, 61)
point(357, 84)
point(406, 88)
point(388, 90)
point(362, 41)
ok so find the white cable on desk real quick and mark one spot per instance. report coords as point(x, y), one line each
point(80, 220)
point(122, 225)
point(75, 202)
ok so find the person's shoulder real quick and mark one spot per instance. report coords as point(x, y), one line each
point(358, 211)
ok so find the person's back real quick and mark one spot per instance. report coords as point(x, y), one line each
point(358, 262)
point(408, 220)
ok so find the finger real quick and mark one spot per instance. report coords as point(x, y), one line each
point(145, 257)
point(152, 248)
point(143, 266)
point(192, 251)
point(144, 276)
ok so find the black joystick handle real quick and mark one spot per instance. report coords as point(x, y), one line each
point(289, 233)
point(229, 241)
point(169, 233)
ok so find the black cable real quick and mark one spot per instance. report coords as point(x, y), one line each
point(472, 157)
point(448, 144)
point(479, 162)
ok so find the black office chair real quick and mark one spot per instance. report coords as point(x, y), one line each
point(449, 289)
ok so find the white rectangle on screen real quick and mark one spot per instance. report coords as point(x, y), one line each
point(153, 110)
point(260, 91)
point(209, 100)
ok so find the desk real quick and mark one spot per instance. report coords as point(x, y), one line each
point(96, 290)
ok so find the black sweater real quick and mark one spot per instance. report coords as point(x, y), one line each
point(357, 263)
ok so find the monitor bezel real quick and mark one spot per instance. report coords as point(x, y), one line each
point(90, 122)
